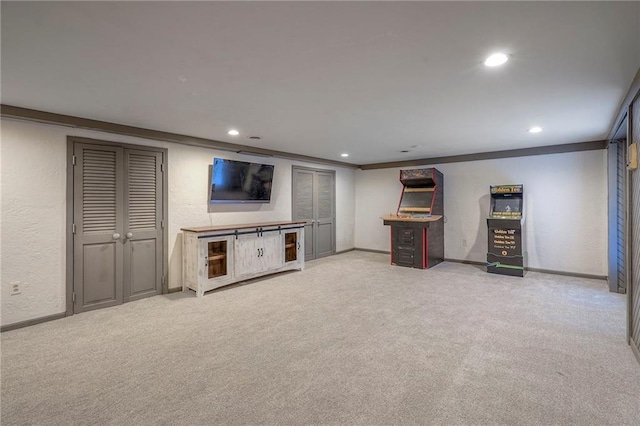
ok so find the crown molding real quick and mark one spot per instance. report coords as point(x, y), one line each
point(522, 152)
point(19, 113)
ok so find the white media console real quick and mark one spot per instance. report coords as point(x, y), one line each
point(215, 256)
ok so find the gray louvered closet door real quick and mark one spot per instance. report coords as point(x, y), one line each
point(99, 220)
point(620, 271)
point(314, 202)
point(616, 227)
point(633, 283)
point(117, 216)
point(325, 214)
point(143, 226)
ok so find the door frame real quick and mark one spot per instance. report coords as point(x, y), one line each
point(71, 140)
point(293, 189)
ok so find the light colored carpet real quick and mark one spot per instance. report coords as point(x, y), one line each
point(350, 340)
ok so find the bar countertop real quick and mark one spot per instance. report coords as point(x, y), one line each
point(407, 218)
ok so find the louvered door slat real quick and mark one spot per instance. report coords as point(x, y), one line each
point(142, 191)
point(325, 196)
point(99, 191)
point(304, 200)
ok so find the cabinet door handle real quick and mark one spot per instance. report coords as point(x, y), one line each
point(261, 252)
point(258, 252)
point(298, 245)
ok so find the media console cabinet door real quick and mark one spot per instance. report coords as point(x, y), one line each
point(254, 254)
point(294, 246)
point(215, 257)
point(273, 255)
point(300, 246)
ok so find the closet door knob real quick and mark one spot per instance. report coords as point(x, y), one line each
point(116, 236)
point(129, 235)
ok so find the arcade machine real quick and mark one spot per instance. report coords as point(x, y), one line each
point(417, 227)
point(506, 240)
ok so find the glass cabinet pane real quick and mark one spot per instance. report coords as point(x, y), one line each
point(217, 258)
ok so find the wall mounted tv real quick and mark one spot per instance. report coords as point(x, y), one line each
point(240, 182)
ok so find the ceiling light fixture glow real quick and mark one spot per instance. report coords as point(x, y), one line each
point(233, 132)
point(535, 129)
point(344, 155)
point(496, 60)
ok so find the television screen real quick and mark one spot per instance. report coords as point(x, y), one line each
point(240, 182)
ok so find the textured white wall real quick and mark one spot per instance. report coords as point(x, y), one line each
point(565, 208)
point(32, 224)
point(345, 209)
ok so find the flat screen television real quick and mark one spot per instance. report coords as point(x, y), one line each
point(240, 182)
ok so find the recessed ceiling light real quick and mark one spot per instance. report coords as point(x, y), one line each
point(535, 129)
point(344, 155)
point(233, 132)
point(496, 59)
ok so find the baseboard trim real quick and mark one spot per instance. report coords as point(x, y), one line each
point(372, 251)
point(27, 323)
point(543, 271)
point(174, 290)
point(345, 251)
point(466, 262)
point(568, 274)
point(635, 349)
point(475, 262)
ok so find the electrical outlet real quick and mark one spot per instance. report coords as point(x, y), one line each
point(464, 242)
point(15, 288)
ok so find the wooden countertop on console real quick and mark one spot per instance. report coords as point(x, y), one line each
point(241, 226)
point(396, 218)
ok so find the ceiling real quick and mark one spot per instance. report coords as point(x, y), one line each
point(370, 79)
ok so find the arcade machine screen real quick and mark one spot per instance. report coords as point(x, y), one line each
point(507, 206)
